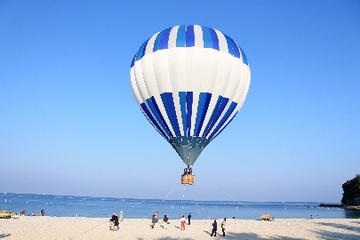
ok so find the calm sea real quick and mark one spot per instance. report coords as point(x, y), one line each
point(81, 206)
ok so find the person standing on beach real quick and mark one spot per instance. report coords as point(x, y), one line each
point(165, 221)
point(182, 222)
point(153, 221)
point(121, 218)
point(223, 226)
point(156, 214)
point(189, 216)
point(214, 228)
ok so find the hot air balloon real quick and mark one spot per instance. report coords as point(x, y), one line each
point(190, 81)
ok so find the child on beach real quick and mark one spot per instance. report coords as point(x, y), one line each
point(182, 222)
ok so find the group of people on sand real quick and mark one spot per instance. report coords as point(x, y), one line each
point(154, 220)
point(214, 228)
point(165, 221)
point(182, 221)
point(42, 213)
point(114, 223)
point(115, 220)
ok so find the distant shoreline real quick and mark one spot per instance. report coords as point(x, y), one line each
point(347, 207)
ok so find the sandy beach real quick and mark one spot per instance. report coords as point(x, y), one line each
point(37, 227)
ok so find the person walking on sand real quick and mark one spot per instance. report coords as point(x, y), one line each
point(189, 216)
point(214, 228)
point(223, 226)
point(182, 222)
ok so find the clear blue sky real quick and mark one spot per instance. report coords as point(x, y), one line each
point(69, 123)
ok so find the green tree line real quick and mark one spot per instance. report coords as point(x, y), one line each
point(351, 195)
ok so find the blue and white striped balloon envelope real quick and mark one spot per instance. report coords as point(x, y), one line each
point(190, 81)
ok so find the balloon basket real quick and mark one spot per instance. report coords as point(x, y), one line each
point(188, 179)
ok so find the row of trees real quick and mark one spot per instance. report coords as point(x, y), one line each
point(351, 195)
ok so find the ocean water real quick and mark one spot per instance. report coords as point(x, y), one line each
point(83, 206)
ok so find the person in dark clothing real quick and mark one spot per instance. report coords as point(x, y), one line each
point(214, 228)
point(165, 221)
point(115, 220)
point(189, 217)
point(223, 224)
point(153, 220)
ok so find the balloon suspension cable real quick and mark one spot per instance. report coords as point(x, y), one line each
point(128, 210)
point(144, 200)
point(235, 200)
point(183, 197)
point(182, 207)
point(135, 206)
point(164, 199)
point(194, 198)
point(90, 229)
point(153, 210)
point(198, 211)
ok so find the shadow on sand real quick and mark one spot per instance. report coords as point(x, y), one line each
point(355, 231)
point(5, 235)
point(355, 234)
